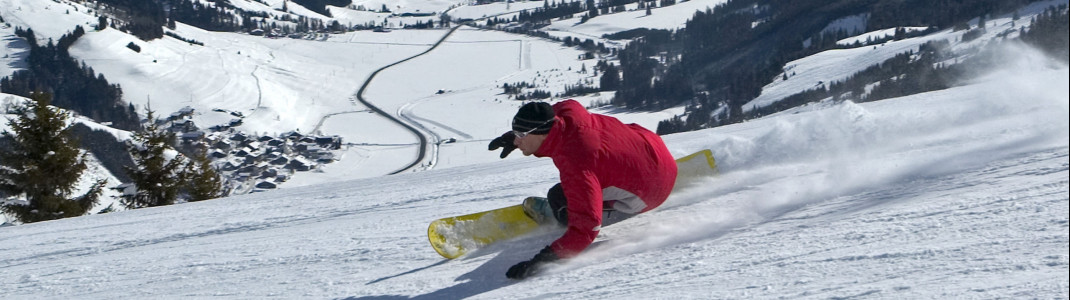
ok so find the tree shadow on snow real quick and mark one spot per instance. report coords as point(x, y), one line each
point(487, 277)
point(17, 53)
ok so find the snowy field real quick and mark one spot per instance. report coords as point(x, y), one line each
point(960, 193)
point(280, 85)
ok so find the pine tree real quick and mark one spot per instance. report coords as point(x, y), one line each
point(610, 80)
point(44, 165)
point(202, 181)
point(156, 176)
point(102, 23)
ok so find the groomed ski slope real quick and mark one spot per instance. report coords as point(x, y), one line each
point(960, 193)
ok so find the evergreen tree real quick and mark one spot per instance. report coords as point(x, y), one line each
point(102, 23)
point(156, 176)
point(202, 181)
point(43, 165)
point(610, 80)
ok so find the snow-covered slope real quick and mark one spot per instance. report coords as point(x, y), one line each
point(280, 85)
point(668, 17)
point(960, 193)
point(359, 12)
point(822, 69)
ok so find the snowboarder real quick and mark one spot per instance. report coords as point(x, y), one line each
point(609, 171)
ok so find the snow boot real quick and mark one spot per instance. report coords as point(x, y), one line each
point(538, 208)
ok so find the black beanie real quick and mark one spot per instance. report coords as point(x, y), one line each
point(538, 115)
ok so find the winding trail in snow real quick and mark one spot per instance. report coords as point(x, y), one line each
point(406, 112)
point(422, 152)
point(259, 88)
point(324, 118)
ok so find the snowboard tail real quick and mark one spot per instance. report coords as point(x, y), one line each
point(454, 236)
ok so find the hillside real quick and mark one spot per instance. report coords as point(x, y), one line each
point(951, 194)
point(273, 86)
point(959, 192)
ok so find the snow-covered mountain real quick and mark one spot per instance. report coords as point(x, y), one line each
point(959, 193)
point(275, 86)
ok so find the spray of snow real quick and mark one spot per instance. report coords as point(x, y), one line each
point(829, 152)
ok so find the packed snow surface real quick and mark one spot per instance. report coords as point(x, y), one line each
point(959, 193)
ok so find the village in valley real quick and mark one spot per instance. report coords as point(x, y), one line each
point(252, 162)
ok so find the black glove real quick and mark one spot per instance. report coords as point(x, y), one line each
point(505, 142)
point(525, 269)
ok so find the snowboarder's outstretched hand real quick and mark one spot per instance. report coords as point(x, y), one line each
point(525, 269)
point(505, 142)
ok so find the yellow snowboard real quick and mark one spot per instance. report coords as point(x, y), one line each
point(694, 166)
point(454, 236)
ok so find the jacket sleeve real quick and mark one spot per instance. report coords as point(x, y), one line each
point(577, 165)
point(584, 212)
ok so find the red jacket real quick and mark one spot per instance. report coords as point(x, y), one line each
point(601, 159)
